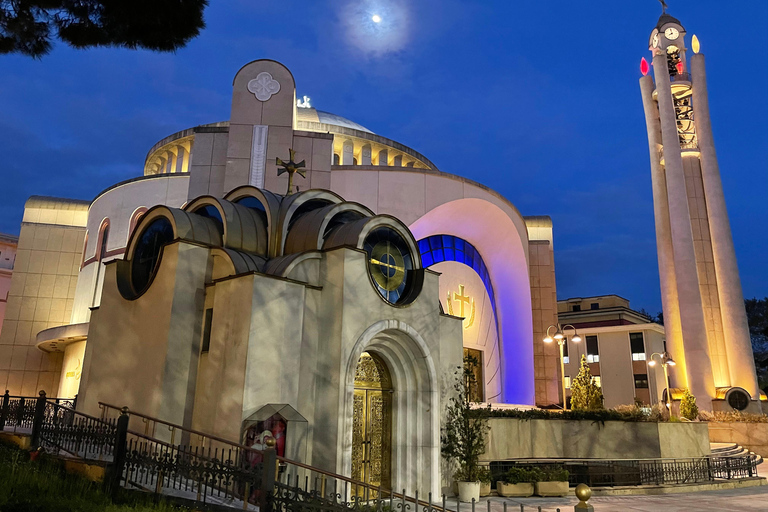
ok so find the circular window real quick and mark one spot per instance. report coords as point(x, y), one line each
point(390, 264)
point(738, 399)
point(146, 256)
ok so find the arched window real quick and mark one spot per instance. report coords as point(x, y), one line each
point(135, 218)
point(103, 238)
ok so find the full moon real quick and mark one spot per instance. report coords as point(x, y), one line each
point(376, 18)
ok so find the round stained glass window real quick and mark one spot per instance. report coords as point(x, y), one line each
point(146, 256)
point(390, 263)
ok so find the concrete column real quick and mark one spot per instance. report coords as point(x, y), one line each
point(694, 329)
point(741, 363)
point(172, 158)
point(669, 299)
point(185, 161)
point(347, 153)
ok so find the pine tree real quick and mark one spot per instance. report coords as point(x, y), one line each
point(585, 393)
point(688, 408)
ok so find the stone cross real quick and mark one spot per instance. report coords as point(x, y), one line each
point(291, 168)
point(463, 299)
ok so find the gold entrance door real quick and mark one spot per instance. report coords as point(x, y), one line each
point(372, 423)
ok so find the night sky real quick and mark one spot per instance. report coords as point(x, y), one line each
point(537, 100)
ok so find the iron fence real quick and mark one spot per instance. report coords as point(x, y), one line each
point(633, 472)
point(17, 413)
point(209, 471)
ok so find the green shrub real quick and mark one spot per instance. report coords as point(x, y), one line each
point(688, 408)
point(522, 475)
point(484, 474)
point(465, 428)
point(555, 474)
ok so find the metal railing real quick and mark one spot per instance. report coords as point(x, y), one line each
point(632, 472)
point(17, 412)
point(295, 485)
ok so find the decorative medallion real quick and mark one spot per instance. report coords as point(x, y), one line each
point(264, 86)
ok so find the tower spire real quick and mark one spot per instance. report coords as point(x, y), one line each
point(663, 6)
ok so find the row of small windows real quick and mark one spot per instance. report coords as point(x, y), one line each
point(641, 381)
point(636, 344)
point(577, 307)
point(438, 248)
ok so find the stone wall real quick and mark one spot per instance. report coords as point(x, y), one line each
point(513, 438)
point(752, 436)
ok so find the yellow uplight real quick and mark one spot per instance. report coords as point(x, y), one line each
point(695, 44)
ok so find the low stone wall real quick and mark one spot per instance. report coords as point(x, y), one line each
point(752, 436)
point(511, 438)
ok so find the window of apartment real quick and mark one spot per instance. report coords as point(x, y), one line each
point(566, 359)
point(641, 381)
point(567, 382)
point(207, 330)
point(598, 381)
point(576, 307)
point(594, 305)
point(593, 355)
point(637, 345)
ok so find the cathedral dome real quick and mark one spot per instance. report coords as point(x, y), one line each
point(312, 115)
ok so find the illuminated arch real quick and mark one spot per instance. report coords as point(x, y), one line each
point(494, 234)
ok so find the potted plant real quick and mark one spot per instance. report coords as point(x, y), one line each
point(463, 436)
point(484, 474)
point(553, 481)
point(518, 482)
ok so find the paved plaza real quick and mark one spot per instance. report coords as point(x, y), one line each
point(750, 498)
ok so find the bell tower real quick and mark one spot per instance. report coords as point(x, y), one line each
point(705, 319)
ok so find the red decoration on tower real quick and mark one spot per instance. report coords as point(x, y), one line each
point(679, 67)
point(644, 67)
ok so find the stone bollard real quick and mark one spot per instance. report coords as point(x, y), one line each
point(583, 492)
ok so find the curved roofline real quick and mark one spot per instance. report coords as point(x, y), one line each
point(342, 130)
point(428, 171)
point(263, 60)
point(139, 178)
point(183, 133)
point(223, 126)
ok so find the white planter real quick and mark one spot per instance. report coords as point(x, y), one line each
point(552, 488)
point(523, 489)
point(485, 489)
point(469, 491)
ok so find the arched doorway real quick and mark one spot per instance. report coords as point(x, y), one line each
point(372, 422)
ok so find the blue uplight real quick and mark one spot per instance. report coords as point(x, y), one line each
point(437, 248)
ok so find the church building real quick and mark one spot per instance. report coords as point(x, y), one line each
point(287, 270)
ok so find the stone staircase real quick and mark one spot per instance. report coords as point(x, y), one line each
point(733, 450)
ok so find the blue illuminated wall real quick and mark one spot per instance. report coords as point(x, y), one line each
point(437, 248)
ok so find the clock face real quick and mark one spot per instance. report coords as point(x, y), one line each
point(671, 33)
point(390, 263)
point(653, 42)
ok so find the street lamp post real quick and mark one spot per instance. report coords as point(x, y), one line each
point(666, 360)
point(560, 337)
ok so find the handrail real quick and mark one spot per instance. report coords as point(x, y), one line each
point(351, 481)
point(185, 429)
